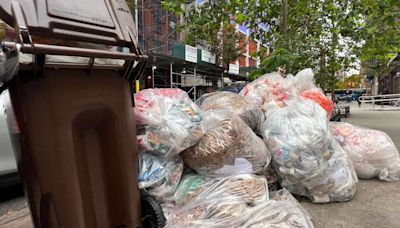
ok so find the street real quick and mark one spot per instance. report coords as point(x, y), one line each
point(376, 204)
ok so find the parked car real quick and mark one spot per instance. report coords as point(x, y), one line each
point(233, 88)
point(8, 166)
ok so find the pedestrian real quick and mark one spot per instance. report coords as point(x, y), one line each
point(359, 102)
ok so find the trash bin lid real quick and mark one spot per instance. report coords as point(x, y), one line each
point(97, 21)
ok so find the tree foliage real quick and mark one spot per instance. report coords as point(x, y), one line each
point(380, 33)
point(209, 25)
point(326, 35)
point(353, 81)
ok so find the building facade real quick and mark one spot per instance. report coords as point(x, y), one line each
point(169, 66)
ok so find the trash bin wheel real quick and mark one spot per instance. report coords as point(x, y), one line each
point(152, 214)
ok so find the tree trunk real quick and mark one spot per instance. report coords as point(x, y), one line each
point(284, 29)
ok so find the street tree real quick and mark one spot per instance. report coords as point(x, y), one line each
point(380, 33)
point(209, 25)
point(326, 35)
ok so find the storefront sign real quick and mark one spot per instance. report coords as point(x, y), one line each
point(207, 56)
point(233, 68)
point(190, 54)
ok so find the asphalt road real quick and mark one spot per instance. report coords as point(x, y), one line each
point(376, 204)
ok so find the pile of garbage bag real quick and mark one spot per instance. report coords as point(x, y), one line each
point(238, 201)
point(168, 121)
point(233, 103)
point(228, 147)
point(306, 158)
point(221, 161)
point(372, 152)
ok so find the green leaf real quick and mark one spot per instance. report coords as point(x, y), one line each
point(239, 18)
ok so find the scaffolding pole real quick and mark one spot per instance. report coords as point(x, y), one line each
point(195, 90)
point(170, 74)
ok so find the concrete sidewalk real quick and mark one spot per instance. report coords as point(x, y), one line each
point(377, 203)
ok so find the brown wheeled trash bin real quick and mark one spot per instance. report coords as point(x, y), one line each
point(73, 107)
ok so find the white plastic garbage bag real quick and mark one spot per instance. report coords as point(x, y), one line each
point(303, 85)
point(268, 92)
point(372, 152)
point(307, 159)
point(168, 121)
point(271, 91)
point(229, 147)
point(234, 103)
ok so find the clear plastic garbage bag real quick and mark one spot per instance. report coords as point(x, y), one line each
point(168, 121)
point(248, 186)
point(372, 152)
point(307, 159)
point(234, 103)
point(282, 210)
point(239, 201)
point(221, 198)
point(229, 147)
point(271, 91)
point(159, 175)
point(268, 92)
point(303, 85)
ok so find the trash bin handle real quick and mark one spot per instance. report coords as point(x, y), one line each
point(74, 51)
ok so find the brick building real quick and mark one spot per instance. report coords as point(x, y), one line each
point(390, 82)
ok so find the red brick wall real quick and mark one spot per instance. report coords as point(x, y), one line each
point(252, 46)
point(252, 62)
point(242, 61)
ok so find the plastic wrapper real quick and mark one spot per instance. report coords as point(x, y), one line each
point(168, 121)
point(234, 103)
point(320, 98)
point(159, 175)
point(307, 159)
point(229, 147)
point(372, 152)
point(239, 201)
point(189, 187)
point(268, 92)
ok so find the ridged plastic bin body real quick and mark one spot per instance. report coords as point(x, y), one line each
point(78, 152)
